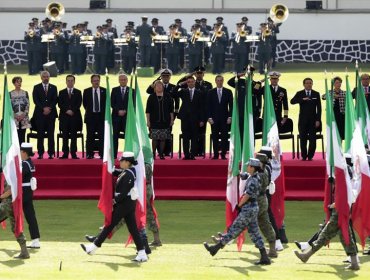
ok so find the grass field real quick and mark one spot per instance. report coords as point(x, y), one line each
point(184, 226)
point(291, 79)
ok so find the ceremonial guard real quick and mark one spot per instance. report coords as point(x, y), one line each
point(157, 52)
point(173, 49)
point(70, 119)
point(145, 31)
point(93, 100)
point(119, 103)
point(100, 51)
point(218, 40)
point(33, 43)
point(247, 218)
point(45, 97)
point(239, 48)
point(124, 205)
point(309, 117)
point(129, 50)
point(195, 47)
point(28, 187)
point(76, 50)
point(57, 48)
point(264, 48)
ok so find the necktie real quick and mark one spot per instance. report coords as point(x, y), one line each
point(219, 95)
point(165, 87)
point(191, 94)
point(46, 89)
point(96, 101)
point(69, 93)
point(123, 93)
point(308, 93)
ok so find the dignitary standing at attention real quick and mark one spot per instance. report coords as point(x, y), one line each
point(70, 119)
point(309, 117)
point(94, 103)
point(45, 97)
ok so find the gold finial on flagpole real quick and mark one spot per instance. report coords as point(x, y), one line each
point(106, 71)
point(356, 65)
point(248, 70)
point(5, 68)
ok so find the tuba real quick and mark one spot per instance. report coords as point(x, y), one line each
point(54, 11)
point(279, 13)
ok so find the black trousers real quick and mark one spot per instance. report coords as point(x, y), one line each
point(34, 62)
point(69, 130)
point(129, 63)
point(100, 63)
point(29, 213)
point(190, 130)
point(95, 126)
point(173, 62)
point(271, 216)
point(219, 128)
point(240, 61)
point(45, 124)
point(307, 131)
point(119, 125)
point(76, 63)
point(59, 61)
point(194, 61)
point(21, 135)
point(145, 55)
point(218, 60)
point(125, 210)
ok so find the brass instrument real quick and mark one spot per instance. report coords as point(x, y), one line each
point(216, 34)
point(240, 33)
point(279, 13)
point(195, 35)
point(128, 36)
point(56, 32)
point(76, 32)
point(31, 33)
point(98, 35)
point(54, 11)
point(174, 34)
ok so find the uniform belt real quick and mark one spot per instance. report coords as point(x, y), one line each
point(117, 194)
point(26, 185)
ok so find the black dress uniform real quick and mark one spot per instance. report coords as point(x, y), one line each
point(309, 113)
point(76, 51)
point(29, 211)
point(100, 54)
point(94, 118)
point(183, 33)
point(173, 53)
point(57, 48)
point(33, 45)
point(195, 49)
point(274, 30)
point(112, 33)
point(218, 53)
point(119, 101)
point(256, 102)
point(70, 99)
point(129, 52)
point(264, 52)
point(240, 52)
point(144, 32)
point(206, 29)
point(157, 52)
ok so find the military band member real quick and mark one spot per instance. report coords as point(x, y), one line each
point(44, 30)
point(206, 29)
point(129, 50)
point(33, 43)
point(57, 48)
point(239, 48)
point(157, 52)
point(249, 32)
point(173, 49)
point(144, 32)
point(280, 100)
point(100, 51)
point(219, 41)
point(131, 24)
point(247, 217)
point(70, 119)
point(183, 33)
point(76, 50)
point(111, 28)
point(195, 47)
point(264, 48)
point(274, 27)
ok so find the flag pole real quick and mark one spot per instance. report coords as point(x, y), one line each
point(331, 141)
point(2, 122)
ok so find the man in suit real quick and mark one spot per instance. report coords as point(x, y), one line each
point(45, 97)
point(93, 101)
point(144, 32)
point(158, 48)
point(280, 100)
point(309, 117)
point(119, 103)
point(70, 119)
point(219, 108)
point(365, 81)
point(191, 116)
point(165, 77)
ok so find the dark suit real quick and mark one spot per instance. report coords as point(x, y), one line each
point(119, 101)
point(144, 32)
point(69, 125)
point(94, 120)
point(190, 114)
point(219, 111)
point(45, 123)
point(309, 113)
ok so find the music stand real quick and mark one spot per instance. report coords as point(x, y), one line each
point(253, 39)
point(203, 40)
point(47, 38)
point(161, 39)
point(118, 42)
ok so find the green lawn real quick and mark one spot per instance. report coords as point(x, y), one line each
point(291, 79)
point(184, 226)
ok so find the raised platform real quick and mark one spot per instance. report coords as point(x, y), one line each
point(200, 179)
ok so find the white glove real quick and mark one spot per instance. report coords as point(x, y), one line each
point(33, 183)
point(271, 188)
point(134, 193)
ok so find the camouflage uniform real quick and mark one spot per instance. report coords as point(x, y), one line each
point(263, 217)
point(247, 217)
point(6, 211)
point(150, 217)
point(330, 230)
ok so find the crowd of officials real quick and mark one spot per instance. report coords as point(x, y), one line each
point(149, 44)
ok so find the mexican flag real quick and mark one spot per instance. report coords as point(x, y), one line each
point(11, 159)
point(336, 168)
point(105, 203)
point(361, 173)
point(270, 138)
point(134, 143)
point(232, 192)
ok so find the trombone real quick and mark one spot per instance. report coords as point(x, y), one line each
point(195, 35)
point(218, 33)
point(31, 33)
point(240, 33)
point(174, 34)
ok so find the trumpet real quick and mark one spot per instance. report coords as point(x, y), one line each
point(56, 32)
point(76, 32)
point(128, 37)
point(98, 34)
point(240, 33)
point(31, 33)
point(216, 34)
point(195, 35)
point(174, 34)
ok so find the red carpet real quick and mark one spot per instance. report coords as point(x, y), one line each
point(203, 179)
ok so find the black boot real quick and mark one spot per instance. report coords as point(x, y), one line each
point(264, 258)
point(283, 237)
point(146, 245)
point(90, 238)
point(213, 249)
